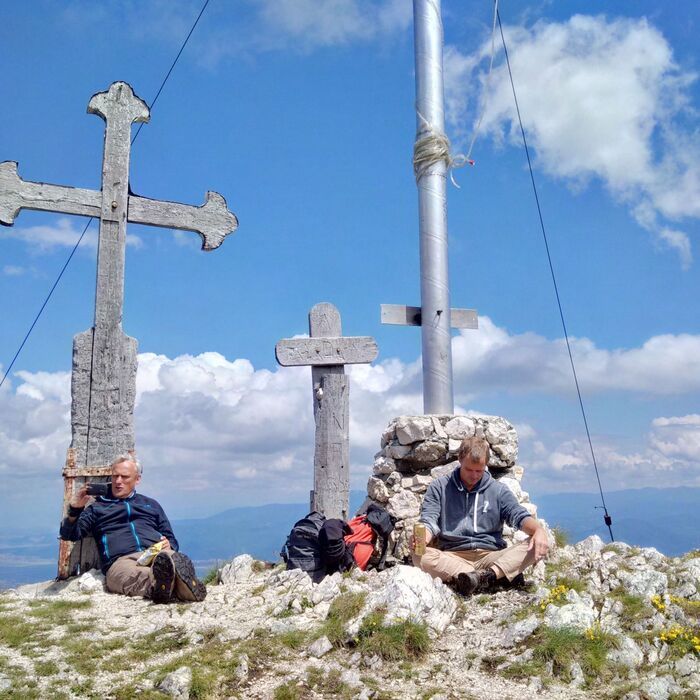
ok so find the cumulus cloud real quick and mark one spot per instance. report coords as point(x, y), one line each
point(495, 359)
point(64, 234)
point(677, 437)
point(601, 99)
point(213, 433)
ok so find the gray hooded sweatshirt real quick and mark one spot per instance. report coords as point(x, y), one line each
point(462, 519)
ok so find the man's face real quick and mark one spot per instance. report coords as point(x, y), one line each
point(124, 479)
point(471, 472)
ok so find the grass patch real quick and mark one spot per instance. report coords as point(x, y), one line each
point(57, 612)
point(211, 578)
point(634, 607)
point(563, 646)
point(344, 608)
point(561, 536)
point(571, 584)
point(15, 632)
point(690, 607)
point(329, 683)
point(46, 668)
point(288, 691)
point(400, 640)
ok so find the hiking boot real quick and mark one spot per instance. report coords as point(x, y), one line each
point(187, 586)
point(466, 583)
point(487, 581)
point(164, 578)
point(518, 583)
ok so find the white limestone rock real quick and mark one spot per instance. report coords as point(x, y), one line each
point(377, 490)
point(383, 466)
point(407, 593)
point(91, 582)
point(443, 470)
point(577, 615)
point(503, 439)
point(396, 451)
point(178, 683)
point(410, 429)
point(659, 688)
point(429, 452)
point(644, 582)
point(404, 505)
point(590, 546)
point(628, 654)
point(237, 571)
point(320, 647)
point(518, 631)
point(460, 427)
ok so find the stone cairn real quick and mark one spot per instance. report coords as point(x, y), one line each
point(417, 449)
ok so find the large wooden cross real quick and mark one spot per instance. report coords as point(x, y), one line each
point(104, 358)
point(103, 380)
point(327, 351)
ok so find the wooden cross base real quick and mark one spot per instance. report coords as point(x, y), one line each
point(74, 558)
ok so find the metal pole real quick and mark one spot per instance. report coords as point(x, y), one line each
point(432, 208)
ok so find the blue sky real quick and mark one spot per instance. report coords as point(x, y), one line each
point(301, 114)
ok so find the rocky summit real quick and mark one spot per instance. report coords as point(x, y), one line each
point(598, 621)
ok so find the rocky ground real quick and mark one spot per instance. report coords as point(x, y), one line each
point(602, 622)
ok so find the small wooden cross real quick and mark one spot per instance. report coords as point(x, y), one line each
point(327, 351)
point(104, 358)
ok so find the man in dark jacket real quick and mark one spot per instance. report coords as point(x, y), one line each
point(124, 524)
point(464, 514)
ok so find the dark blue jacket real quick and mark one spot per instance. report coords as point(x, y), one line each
point(120, 526)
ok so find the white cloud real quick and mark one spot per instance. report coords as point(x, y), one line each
point(600, 99)
point(64, 234)
point(494, 359)
point(213, 433)
point(314, 23)
point(13, 270)
point(677, 437)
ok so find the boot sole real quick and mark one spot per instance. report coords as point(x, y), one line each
point(187, 586)
point(466, 584)
point(164, 575)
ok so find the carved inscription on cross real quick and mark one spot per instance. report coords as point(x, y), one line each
point(104, 358)
point(327, 351)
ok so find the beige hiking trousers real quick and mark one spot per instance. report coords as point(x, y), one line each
point(125, 576)
point(446, 565)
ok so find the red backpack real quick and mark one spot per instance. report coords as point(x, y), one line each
point(361, 541)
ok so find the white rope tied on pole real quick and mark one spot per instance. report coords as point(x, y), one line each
point(434, 147)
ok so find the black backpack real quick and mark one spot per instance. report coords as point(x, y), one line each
point(302, 549)
point(316, 545)
point(383, 524)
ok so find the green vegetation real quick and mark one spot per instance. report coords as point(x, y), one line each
point(564, 646)
point(400, 640)
point(14, 632)
point(561, 536)
point(288, 691)
point(343, 608)
point(634, 608)
point(571, 584)
point(329, 683)
point(211, 578)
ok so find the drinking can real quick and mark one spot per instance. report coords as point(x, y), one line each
point(419, 539)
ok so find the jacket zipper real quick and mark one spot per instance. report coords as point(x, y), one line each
point(476, 508)
point(105, 547)
point(131, 524)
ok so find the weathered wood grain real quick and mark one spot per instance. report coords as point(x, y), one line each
point(331, 492)
point(326, 351)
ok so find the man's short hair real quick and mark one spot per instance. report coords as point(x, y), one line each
point(474, 449)
point(128, 458)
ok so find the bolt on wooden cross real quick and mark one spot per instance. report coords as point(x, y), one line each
point(328, 351)
point(104, 358)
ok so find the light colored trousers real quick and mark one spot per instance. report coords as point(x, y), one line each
point(125, 576)
point(446, 565)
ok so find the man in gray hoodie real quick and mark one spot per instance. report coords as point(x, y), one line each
point(464, 513)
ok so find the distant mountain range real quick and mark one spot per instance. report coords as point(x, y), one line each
point(662, 518)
